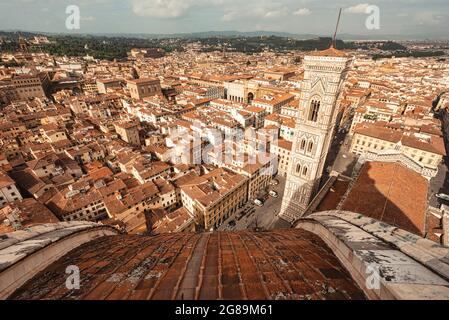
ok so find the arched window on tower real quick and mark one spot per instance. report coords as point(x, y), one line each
point(298, 168)
point(314, 109)
point(310, 147)
point(304, 171)
point(303, 144)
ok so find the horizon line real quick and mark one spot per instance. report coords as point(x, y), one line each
point(421, 37)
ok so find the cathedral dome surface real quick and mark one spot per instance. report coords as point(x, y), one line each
point(286, 264)
point(327, 255)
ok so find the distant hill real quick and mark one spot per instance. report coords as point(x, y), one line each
point(230, 34)
point(213, 34)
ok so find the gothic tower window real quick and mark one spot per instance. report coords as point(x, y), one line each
point(304, 171)
point(314, 109)
point(298, 168)
point(303, 144)
point(310, 147)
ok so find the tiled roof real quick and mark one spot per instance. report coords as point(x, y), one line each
point(409, 267)
point(18, 245)
point(143, 80)
point(331, 52)
point(30, 212)
point(334, 196)
point(378, 132)
point(287, 264)
point(28, 181)
point(384, 131)
point(173, 222)
point(284, 144)
point(5, 180)
point(391, 193)
point(213, 186)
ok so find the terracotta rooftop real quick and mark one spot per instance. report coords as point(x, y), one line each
point(383, 131)
point(5, 180)
point(284, 144)
point(378, 132)
point(287, 264)
point(334, 196)
point(331, 52)
point(173, 222)
point(391, 193)
point(100, 173)
point(143, 80)
point(207, 189)
point(30, 213)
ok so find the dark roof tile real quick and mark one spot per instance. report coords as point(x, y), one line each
point(287, 264)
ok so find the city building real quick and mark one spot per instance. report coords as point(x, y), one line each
point(31, 86)
point(144, 88)
point(128, 132)
point(152, 53)
point(249, 172)
point(214, 197)
point(24, 213)
point(8, 190)
point(273, 103)
point(103, 85)
point(282, 149)
point(78, 202)
point(177, 221)
point(420, 152)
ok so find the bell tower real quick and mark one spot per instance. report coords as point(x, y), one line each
point(324, 74)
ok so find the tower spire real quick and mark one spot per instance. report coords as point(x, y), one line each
point(334, 39)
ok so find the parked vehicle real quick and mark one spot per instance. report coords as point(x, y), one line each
point(258, 203)
point(274, 182)
point(442, 196)
point(274, 194)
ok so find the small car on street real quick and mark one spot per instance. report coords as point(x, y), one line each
point(442, 196)
point(274, 194)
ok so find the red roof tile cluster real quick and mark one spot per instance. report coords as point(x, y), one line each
point(30, 213)
point(331, 52)
point(384, 131)
point(287, 264)
point(143, 80)
point(5, 180)
point(334, 196)
point(391, 193)
point(172, 222)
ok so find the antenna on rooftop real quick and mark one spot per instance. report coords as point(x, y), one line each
point(334, 39)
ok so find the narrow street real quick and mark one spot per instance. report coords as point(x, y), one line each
point(339, 158)
point(439, 184)
point(257, 217)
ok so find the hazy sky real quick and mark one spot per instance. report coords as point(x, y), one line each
point(405, 17)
